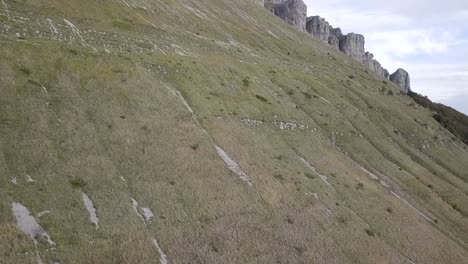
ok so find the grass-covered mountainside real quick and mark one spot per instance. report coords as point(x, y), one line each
point(135, 131)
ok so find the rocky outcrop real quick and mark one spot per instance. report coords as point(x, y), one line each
point(292, 11)
point(259, 2)
point(318, 27)
point(295, 13)
point(353, 46)
point(402, 79)
point(386, 74)
point(375, 65)
point(334, 38)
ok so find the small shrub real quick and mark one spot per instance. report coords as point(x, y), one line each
point(194, 146)
point(456, 208)
point(370, 232)
point(309, 175)
point(390, 92)
point(73, 51)
point(278, 176)
point(290, 92)
point(342, 219)
point(25, 70)
point(121, 24)
point(77, 183)
point(352, 76)
point(430, 186)
point(261, 98)
point(307, 95)
point(360, 186)
point(389, 210)
point(246, 82)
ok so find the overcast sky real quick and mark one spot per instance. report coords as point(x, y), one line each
point(428, 38)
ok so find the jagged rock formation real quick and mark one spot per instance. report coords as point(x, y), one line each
point(375, 65)
point(318, 27)
point(402, 79)
point(292, 11)
point(353, 45)
point(334, 38)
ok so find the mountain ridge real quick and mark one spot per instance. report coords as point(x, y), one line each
point(351, 44)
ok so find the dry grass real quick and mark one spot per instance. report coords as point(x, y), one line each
point(103, 117)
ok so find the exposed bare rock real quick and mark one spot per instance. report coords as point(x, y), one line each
point(368, 60)
point(353, 45)
point(334, 38)
point(386, 74)
point(318, 27)
point(402, 79)
point(292, 11)
point(259, 2)
point(374, 65)
point(377, 67)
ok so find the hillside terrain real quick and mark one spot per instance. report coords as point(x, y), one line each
point(451, 119)
point(211, 131)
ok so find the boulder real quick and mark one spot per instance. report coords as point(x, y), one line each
point(318, 27)
point(402, 79)
point(353, 45)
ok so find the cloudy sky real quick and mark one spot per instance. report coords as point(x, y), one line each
point(428, 38)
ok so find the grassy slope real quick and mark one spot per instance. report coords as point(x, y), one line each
point(451, 119)
point(107, 112)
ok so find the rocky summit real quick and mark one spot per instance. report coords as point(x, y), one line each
point(214, 131)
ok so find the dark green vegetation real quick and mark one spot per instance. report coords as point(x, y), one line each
point(449, 118)
point(298, 163)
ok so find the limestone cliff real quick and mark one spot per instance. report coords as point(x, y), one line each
point(295, 13)
point(402, 79)
point(318, 27)
point(292, 11)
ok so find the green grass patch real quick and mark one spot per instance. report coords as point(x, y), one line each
point(78, 183)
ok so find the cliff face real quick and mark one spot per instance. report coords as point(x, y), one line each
point(318, 27)
point(292, 11)
point(402, 79)
point(353, 45)
point(334, 38)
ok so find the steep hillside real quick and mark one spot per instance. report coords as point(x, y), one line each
point(211, 131)
point(451, 119)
